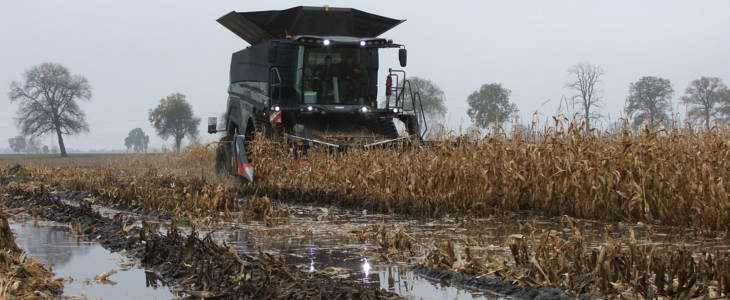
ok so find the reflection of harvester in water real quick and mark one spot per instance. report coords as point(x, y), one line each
point(310, 78)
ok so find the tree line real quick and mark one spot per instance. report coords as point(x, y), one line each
point(19, 144)
point(48, 103)
point(649, 100)
point(48, 99)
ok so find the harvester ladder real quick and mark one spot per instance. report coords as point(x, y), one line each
point(400, 88)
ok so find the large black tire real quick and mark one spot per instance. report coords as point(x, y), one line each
point(386, 128)
point(224, 157)
point(411, 124)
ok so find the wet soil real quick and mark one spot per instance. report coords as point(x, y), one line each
point(318, 248)
point(79, 261)
point(23, 277)
point(198, 267)
point(496, 286)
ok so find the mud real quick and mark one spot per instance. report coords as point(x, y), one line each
point(197, 267)
point(495, 285)
point(82, 263)
point(22, 277)
point(336, 241)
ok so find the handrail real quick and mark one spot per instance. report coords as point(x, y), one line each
point(403, 89)
point(274, 71)
point(423, 116)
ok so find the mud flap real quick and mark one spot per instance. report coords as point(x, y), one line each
point(244, 168)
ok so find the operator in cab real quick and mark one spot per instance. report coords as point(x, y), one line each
point(326, 72)
point(354, 85)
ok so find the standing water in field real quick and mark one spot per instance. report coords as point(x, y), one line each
point(83, 264)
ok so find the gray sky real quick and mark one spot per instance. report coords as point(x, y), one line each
point(136, 52)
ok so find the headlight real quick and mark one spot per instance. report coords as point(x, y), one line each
point(310, 108)
point(364, 109)
point(326, 42)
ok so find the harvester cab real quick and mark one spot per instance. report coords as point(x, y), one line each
point(310, 77)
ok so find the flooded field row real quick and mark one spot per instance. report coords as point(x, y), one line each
point(500, 255)
point(81, 263)
point(342, 243)
point(78, 259)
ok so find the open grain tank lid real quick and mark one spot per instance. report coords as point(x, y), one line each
point(257, 26)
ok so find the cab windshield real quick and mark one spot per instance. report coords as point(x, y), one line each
point(333, 75)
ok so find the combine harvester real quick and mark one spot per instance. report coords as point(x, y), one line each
point(310, 78)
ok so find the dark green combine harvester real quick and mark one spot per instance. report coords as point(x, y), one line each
point(310, 77)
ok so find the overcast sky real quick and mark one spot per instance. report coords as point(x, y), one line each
point(136, 52)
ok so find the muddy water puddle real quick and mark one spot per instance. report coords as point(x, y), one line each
point(326, 239)
point(330, 240)
point(79, 262)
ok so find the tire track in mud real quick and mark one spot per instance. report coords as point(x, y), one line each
point(201, 268)
point(495, 286)
point(193, 266)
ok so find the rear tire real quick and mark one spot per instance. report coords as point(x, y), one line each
point(386, 128)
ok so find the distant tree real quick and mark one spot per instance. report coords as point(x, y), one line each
point(587, 77)
point(32, 145)
point(48, 102)
point(725, 109)
point(432, 98)
point(174, 118)
point(45, 149)
point(17, 144)
point(649, 100)
point(708, 98)
point(137, 140)
point(617, 126)
point(521, 130)
point(490, 104)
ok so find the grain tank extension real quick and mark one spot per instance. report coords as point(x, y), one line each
point(310, 77)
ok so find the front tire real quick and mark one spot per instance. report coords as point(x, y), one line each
point(224, 160)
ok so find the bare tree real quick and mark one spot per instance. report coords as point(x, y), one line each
point(47, 99)
point(649, 100)
point(174, 118)
point(725, 109)
point(587, 78)
point(707, 97)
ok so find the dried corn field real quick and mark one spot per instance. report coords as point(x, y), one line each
point(679, 177)
point(671, 179)
point(621, 265)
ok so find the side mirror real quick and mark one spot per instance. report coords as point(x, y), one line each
point(212, 125)
point(402, 57)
